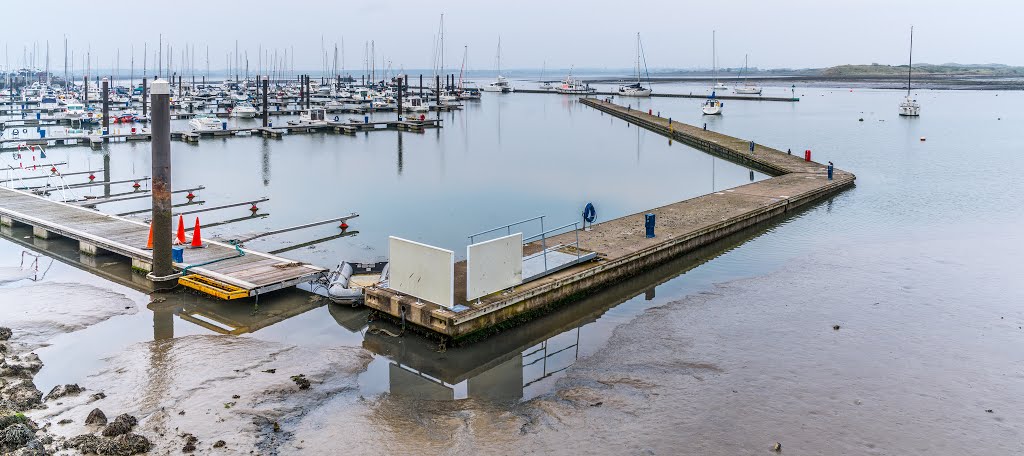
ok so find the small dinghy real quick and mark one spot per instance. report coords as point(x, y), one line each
point(346, 282)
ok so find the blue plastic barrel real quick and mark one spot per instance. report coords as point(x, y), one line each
point(178, 254)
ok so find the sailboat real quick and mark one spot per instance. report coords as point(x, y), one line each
point(713, 106)
point(747, 88)
point(636, 89)
point(500, 84)
point(714, 65)
point(546, 86)
point(909, 106)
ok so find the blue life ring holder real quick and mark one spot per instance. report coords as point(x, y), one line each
point(589, 213)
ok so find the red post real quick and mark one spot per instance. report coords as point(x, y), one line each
point(807, 155)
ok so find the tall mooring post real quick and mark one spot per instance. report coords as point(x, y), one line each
point(105, 96)
point(85, 89)
point(437, 85)
point(145, 99)
point(266, 87)
point(399, 92)
point(421, 85)
point(307, 93)
point(161, 151)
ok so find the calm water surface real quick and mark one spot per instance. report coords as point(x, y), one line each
point(516, 156)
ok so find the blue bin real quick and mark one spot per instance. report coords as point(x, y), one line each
point(649, 224)
point(178, 254)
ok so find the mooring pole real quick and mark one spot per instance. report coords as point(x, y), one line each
point(106, 108)
point(266, 87)
point(399, 91)
point(145, 99)
point(437, 85)
point(161, 151)
point(421, 85)
point(85, 82)
point(308, 97)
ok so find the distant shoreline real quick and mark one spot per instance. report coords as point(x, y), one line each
point(923, 82)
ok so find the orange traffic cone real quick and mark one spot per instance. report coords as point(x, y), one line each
point(197, 239)
point(181, 230)
point(149, 243)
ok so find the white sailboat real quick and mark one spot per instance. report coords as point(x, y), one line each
point(636, 89)
point(747, 88)
point(714, 65)
point(500, 84)
point(909, 106)
point(713, 106)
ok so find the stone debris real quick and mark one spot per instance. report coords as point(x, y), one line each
point(64, 390)
point(96, 417)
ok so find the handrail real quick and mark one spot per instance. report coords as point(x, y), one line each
point(541, 217)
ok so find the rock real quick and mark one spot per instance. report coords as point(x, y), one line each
point(270, 371)
point(124, 445)
point(236, 397)
point(190, 443)
point(64, 390)
point(65, 421)
point(5, 333)
point(301, 380)
point(597, 404)
point(98, 396)
point(121, 425)
point(835, 327)
point(777, 447)
point(16, 436)
point(22, 395)
point(181, 412)
point(219, 444)
point(96, 417)
point(989, 411)
point(85, 443)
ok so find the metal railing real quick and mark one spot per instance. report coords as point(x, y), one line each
point(508, 228)
point(544, 243)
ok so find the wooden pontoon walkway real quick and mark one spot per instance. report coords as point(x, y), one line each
point(255, 272)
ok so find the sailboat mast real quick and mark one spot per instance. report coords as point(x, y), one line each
point(910, 66)
point(638, 57)
point(714, 58)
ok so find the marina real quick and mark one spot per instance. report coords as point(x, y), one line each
point(494, 231)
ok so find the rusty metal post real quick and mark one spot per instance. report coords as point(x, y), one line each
point(161, 151)
point(105, 96)
point(266, 88)
point(145, 99)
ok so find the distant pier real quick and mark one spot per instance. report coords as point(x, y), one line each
point(620, 245)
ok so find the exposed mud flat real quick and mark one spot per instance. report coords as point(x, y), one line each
point(37, 312)
point(241, 391)
point(911, 369)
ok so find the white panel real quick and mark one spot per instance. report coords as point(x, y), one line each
point(494, 265)
point(422, 271)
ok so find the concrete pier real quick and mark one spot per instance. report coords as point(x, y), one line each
point(621, 246)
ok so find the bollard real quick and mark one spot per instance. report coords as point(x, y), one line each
point(705, 126)
point(649, 225)
point(366, 119)
point(807, 155)
point(223, 125)
point(670, 121)
point(789, 151)
point(751, 146)
point(829, 170)
point(650, 111)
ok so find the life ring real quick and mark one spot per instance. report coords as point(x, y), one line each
point(589, 213)
point(15, 132)
point(24, 130)
point(336, 118)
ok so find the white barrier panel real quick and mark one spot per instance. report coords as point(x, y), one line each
point(423, 271)
point(494, 265)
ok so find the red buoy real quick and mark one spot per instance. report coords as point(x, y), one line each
point(136, 185)
point(92, 177)
point(343, 226)
point(190, 196)
point(53, 169)
point(253, 209)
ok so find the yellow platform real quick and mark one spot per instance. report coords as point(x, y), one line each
point(213, 287)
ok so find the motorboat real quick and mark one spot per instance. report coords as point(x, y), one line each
point(546, 86)
point(574, 86)
point(243, 109)
point(74, 110)
point(311, 117)
point(205, 122)
point(415, 104)
point(500, 85)
point(712, 106)
point(346, 282)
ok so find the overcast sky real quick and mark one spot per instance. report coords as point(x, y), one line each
point(587, 34)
